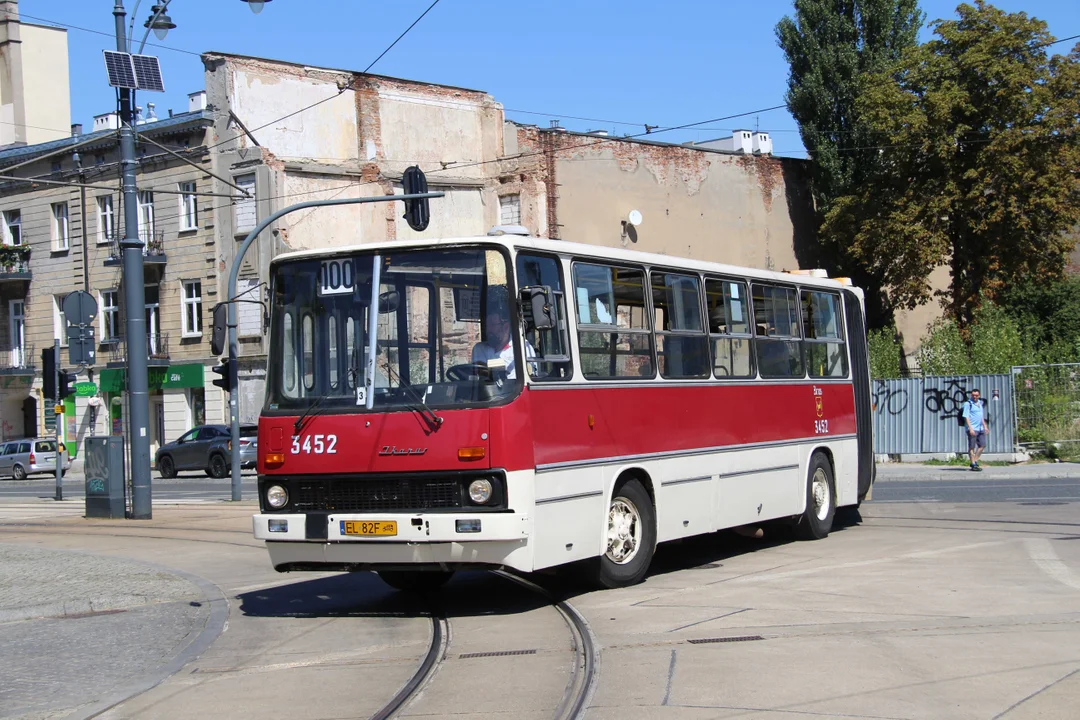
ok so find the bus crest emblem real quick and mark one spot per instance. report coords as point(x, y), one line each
point(820, 406)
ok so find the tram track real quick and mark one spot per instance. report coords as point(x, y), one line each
point(583, 677)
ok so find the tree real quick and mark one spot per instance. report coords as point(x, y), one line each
point(829, 46)
point(885, 352)
point(979, 168)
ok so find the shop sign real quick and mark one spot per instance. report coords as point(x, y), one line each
point(85, 389)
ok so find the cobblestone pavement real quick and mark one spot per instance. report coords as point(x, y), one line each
point(77, 628)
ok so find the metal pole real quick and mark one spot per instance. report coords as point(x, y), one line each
point(134, 303)
point(230, 295)
point(57, 419)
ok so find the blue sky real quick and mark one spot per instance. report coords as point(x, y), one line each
point(630, 62)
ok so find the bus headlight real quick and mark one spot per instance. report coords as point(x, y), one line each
point(480, 491)
point(276, 496)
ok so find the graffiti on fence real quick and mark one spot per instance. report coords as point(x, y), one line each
point(947, 402)
point(889, 400)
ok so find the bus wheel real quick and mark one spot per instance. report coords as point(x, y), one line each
point(415, 580)
point(631, 536)
point(817, 519)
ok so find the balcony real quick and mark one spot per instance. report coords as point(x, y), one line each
point(15, 264)
point(157, 346)
point(153, 250)
point(18, 362)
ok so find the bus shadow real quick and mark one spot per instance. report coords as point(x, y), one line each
point(362, 594)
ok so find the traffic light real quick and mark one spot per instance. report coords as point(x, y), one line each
point(48, 372)
point(67, 383)
point(416, 211)
point(227, 371)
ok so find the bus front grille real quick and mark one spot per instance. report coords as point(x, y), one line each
point(377, 495)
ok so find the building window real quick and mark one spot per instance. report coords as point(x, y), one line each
point(153, 318)
point(17, 332)
point(60, 226)
point(110, 315)
point(192, 319)
point(146, 216)
point(189, 209)
point(510, 210)
point(244, 212)
point(106, 219)
point(59, 320)
point(12, 227)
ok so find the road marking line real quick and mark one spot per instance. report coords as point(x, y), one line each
point(1042, 552)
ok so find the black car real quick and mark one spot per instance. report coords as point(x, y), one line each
point(207, 448)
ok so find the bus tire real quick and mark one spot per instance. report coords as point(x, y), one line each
point(630, 538)
point(816, 521)
point(415, 580)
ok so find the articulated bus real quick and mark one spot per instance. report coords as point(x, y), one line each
point(514, 402)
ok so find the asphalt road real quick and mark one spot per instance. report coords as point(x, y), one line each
point(981, 488)
point(186, 486)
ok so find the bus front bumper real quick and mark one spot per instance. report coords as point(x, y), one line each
point(318, 542)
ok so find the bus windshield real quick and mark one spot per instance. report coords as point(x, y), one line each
point(443, 331)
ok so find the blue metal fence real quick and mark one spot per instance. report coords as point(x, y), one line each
point(924, 415)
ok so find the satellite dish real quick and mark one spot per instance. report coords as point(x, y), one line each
point(634, 218)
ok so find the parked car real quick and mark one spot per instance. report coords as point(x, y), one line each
point(207, 448)
point(30, 456)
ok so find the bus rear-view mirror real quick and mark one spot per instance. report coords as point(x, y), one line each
point(389, 301)
point(538, 305)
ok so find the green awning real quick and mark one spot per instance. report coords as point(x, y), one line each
point(158, 378)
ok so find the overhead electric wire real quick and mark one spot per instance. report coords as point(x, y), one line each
point(100, 32)
point(390, 47)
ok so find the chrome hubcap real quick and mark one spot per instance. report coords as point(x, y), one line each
point(819, 491)
point(624, 531)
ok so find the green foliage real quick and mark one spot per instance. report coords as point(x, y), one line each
point(977, 131)
point(885, 352)
point(996, 345)
point(943, 351)
point(1049, 313)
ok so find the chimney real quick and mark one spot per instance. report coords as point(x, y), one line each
point(107, 121)
point(151, 116)
point(197, 101)
point(76, 129)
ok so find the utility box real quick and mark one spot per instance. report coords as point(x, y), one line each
point(103, 464)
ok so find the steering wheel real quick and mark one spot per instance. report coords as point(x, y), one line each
point(464, 372)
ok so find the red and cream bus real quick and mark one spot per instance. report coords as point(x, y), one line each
point(508, 401)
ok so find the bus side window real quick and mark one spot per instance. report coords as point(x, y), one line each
point(682, 349)
point(545, 270)
point(779, 340)
point(613, 328)
point(727, 305)
point(826, 354)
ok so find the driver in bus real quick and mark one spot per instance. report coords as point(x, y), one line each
point(499, 345)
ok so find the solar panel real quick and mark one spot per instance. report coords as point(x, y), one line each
point(121, 71)
point(136, 72)
point(148, 73)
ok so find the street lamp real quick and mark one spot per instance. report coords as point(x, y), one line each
point(159, 21)
point(256, 5)
point(132, 250)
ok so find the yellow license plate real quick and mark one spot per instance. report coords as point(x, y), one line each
point(369, 528)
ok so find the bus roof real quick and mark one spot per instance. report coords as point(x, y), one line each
point(564, 247)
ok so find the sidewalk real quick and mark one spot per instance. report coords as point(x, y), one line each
point(83, 631)
point(1032, 471)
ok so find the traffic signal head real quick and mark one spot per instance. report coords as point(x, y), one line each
point(227, 371)
point(67, 384)
point(416, 211)
point(48, 372)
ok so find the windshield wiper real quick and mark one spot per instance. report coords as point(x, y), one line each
point(310, 412)
point(427, 413)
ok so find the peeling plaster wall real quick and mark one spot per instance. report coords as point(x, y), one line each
point(332, 226)
point(431, 125)
point(326, 132)
point(705, 205)
point(462, 212)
